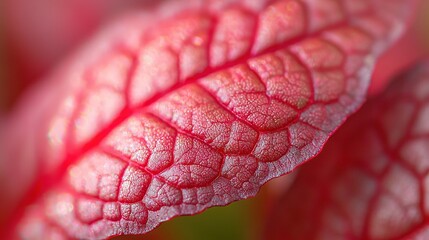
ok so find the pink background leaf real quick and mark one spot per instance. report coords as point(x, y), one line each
point(370, 182)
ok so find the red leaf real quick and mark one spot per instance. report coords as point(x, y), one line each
point(370, 182)
point(404, 54)
point(36, 36)
point(193, 106)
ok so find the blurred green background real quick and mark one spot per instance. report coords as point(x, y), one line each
point(240, 220)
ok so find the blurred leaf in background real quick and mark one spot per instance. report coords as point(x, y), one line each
point(4, 79)
point(39, 34)
point(423, 24)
